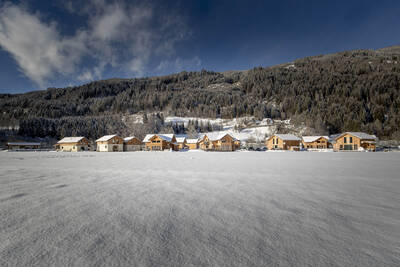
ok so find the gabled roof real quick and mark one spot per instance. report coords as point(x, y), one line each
point(70, 140)
point(126, 139)
point(310, 139)
point(180, 139)
point(360, 135)
point(192, 141)
point(166, 137)
point(287, 137)
point(105, 138)
point(217, 136)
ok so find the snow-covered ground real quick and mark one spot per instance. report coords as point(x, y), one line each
point(241, 128)
point(205, 208)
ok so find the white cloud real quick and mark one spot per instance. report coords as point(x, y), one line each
point(115, 35)
point(178, 65)
point(37, 47)
point(85, 76)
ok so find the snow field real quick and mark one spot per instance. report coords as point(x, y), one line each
point(210, 208)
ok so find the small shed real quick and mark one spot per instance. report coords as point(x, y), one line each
point(23, 145)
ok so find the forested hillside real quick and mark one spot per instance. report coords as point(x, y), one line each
point(348, 91)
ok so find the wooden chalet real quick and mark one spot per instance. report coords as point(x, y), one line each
point(218, 142)
point(160, 142)
point(315, 142)
point(283, 142)
point(182, 143)
point(23, 145)
point(354, 141)
point(192, 143)
point(73, 144)
point(110, 143)
point(132, 144)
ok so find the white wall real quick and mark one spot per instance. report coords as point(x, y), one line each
point(109, 147)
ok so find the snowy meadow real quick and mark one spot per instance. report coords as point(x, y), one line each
point(199, 208)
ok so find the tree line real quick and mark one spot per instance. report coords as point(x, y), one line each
point(349, 91)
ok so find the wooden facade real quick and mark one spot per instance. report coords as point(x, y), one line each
point(132, 144)
point(283, 142)
point(160, 142)
point(192, 144)
point(182, 143)
point(73, 144)
point(315, 142)
point(110, 143)
point(224, 142)
point(355, 141)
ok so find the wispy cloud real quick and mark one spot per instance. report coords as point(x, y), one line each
point(178, 64)
point(116, 35)
point(37, 47)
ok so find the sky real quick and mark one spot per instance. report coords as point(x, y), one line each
point(64, 43)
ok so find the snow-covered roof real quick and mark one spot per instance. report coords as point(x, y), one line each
point(288, 137)
point(23, 144)
point(310, 139)
point(166, 137)
point(180, 139)
point(362, 135)
point(334, 136)
point(70, 140)
point(126, 139)
point(217, 136)
point(105, 138)
point(192, 141)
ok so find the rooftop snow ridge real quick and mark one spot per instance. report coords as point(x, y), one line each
point(309, 139)
point(288, 137)
point(105, 138)
point(166, 137)
point(70, 139)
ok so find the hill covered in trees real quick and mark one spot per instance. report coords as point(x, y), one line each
point(349, 91)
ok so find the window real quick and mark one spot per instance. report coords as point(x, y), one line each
point(355, 147)
point(351, 139)
point(277, 140)
point(341, 147)
point(345, 140)
point(273, 141)
point(348, 147)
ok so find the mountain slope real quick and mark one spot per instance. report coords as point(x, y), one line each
point(349, 91)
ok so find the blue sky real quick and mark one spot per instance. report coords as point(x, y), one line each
point(64, 43)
